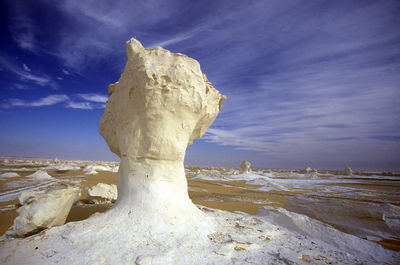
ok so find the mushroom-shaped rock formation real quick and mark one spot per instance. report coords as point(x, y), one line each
point(161, 103)
point(245, 166)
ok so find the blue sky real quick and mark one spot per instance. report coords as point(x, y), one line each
point(309, 83)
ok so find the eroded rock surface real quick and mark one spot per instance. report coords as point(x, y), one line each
point(44, 209)
point(103, 193)
point(245, 166)
point(160, 105)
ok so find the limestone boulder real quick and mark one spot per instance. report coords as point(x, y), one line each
point(103, 193)
point(44, 209)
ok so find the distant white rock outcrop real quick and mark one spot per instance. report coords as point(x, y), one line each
point(44, 209)
point(245, 166)
point(348, 171)
point(93, 169)
point(40, 175)
point(66, 167)
point(9, 175)
point(309, 170)
point(103, 193)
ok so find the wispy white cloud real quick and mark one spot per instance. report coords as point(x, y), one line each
point(80, 105)
point(23, 33)
point(320, 91)
point(309, 128)
point(22, 27)
point(26, 68)
point(23, 74)
point(97, 29)
point(94, 97)
point(93, 101)
point(46, 101)
point(18, 86)
point(178, 38)
point(66, 72)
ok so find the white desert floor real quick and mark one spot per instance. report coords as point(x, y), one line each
point(264, 217)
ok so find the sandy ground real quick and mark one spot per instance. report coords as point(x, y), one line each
point(225, 194)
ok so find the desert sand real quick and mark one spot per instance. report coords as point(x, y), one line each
point(214, 191)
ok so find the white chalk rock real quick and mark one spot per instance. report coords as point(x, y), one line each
point(66, 167)
point(40, 175)
point(9, 175)
point(307, 170)
point(44, 209)
point(103, 193)
point(348, 171)
point(159, 93)
point(93, 169)
point(245, 166)
point(161, 103)
point(90, 170)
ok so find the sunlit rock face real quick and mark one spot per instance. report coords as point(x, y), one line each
point(44, 209)
point(245, 166)
point(161, 103)
point(103, 193)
